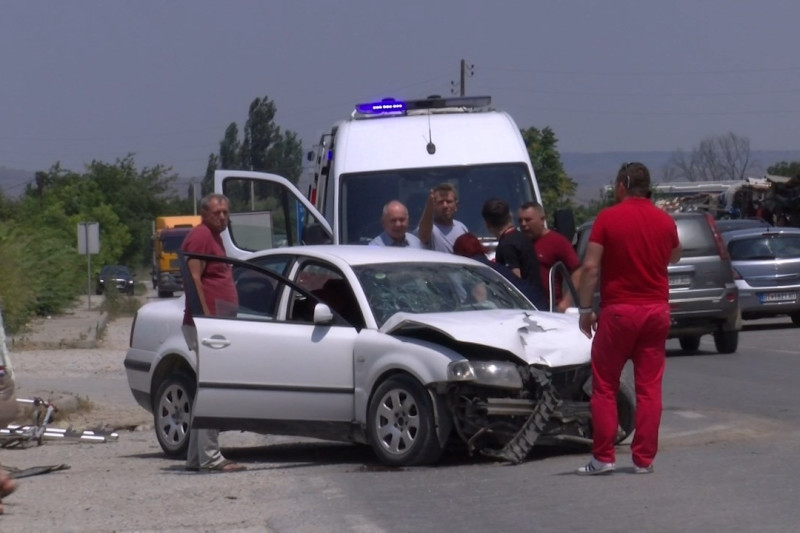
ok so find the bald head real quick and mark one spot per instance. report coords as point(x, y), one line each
point(395, 220)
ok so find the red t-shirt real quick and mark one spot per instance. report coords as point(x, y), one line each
point(637, 240)
point(218, 287)
point(551, 248)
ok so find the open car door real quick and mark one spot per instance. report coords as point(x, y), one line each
point(263, 368)
point(267, 211)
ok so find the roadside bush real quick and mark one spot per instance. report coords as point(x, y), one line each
point(39, 275)
point(118, 304)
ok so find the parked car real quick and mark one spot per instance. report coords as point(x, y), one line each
point(767, 267)
point(403, 349)
point(703, 296)
point(731, 224)
point(118, 276)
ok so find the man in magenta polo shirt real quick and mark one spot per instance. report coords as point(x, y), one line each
point(630, 247)
point(218, 296)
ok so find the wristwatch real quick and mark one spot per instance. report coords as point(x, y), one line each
point(585, 310)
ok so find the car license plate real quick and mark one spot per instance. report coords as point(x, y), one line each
point(769, 297)
point(680, 280)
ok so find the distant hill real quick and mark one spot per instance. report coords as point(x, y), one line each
point(13, 181)
point(592, 171)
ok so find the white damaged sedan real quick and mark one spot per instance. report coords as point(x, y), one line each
point(402, 349)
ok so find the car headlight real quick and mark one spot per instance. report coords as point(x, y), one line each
point(488, 373)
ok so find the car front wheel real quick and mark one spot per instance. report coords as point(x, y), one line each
point(400, 423)
point(795, 318)
point(172, 414)
point(726, 341)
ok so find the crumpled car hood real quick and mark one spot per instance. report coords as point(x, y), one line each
point(536, 337)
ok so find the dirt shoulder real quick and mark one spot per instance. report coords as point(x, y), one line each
point(76, 362)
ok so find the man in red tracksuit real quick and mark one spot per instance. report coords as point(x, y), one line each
point(629, 249)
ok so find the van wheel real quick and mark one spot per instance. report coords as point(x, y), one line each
point(726, 341)
point(690, 343)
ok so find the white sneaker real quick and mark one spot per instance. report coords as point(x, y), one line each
point(643, 469)
point(595, 467)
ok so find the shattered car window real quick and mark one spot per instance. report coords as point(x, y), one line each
point(434, 288)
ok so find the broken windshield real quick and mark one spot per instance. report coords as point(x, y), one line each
point(435, 288)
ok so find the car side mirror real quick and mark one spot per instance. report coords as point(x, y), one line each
point(322, 314)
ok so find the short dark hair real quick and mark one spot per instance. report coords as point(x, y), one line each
point(635, 178)
point(496, 213)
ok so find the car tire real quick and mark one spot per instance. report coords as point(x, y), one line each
point(726, 341)
point(795, 318)
point(400, 423)
point(172, 413)
point(164, 294)
point(690, 343)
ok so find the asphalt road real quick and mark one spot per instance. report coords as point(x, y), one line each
point(728, 462)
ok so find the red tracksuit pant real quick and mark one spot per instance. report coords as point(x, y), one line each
point(639, 333)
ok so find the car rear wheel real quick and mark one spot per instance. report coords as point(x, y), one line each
point(400, 423)
point(172, 413)
point(690, 343)
point(726, 341)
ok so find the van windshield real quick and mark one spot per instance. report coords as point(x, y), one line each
point(364, 194)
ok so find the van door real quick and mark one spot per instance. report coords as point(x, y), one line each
point(267, 211)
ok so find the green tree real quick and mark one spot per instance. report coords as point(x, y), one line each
point(784, 168)
point(557, 189)
point(263, 147)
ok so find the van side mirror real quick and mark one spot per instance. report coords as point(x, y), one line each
point(564, 223)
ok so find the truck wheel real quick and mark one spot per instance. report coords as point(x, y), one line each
point(172, 413)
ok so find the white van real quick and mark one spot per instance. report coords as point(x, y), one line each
point(386, 150)
point(400, 150)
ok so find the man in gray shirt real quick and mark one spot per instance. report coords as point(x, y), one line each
point(395, 228)
point(438, 229)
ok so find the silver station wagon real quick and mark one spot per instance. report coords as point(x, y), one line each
point(767, 267)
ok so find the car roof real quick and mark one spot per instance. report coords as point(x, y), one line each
point(354, 254)
point(755, 232)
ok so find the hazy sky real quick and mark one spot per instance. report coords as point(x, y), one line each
point(83, 80)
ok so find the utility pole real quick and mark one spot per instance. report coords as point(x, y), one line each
point(462, 84)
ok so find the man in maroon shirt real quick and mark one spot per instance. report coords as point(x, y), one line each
point(629, 249)
point(218, 296)
point(551, 247)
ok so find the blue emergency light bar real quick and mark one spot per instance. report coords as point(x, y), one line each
point(392, 106)
point(379, 108)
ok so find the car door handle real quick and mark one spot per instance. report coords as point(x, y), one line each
point(216, 341)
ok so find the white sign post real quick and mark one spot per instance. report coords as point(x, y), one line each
point(89, 243)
